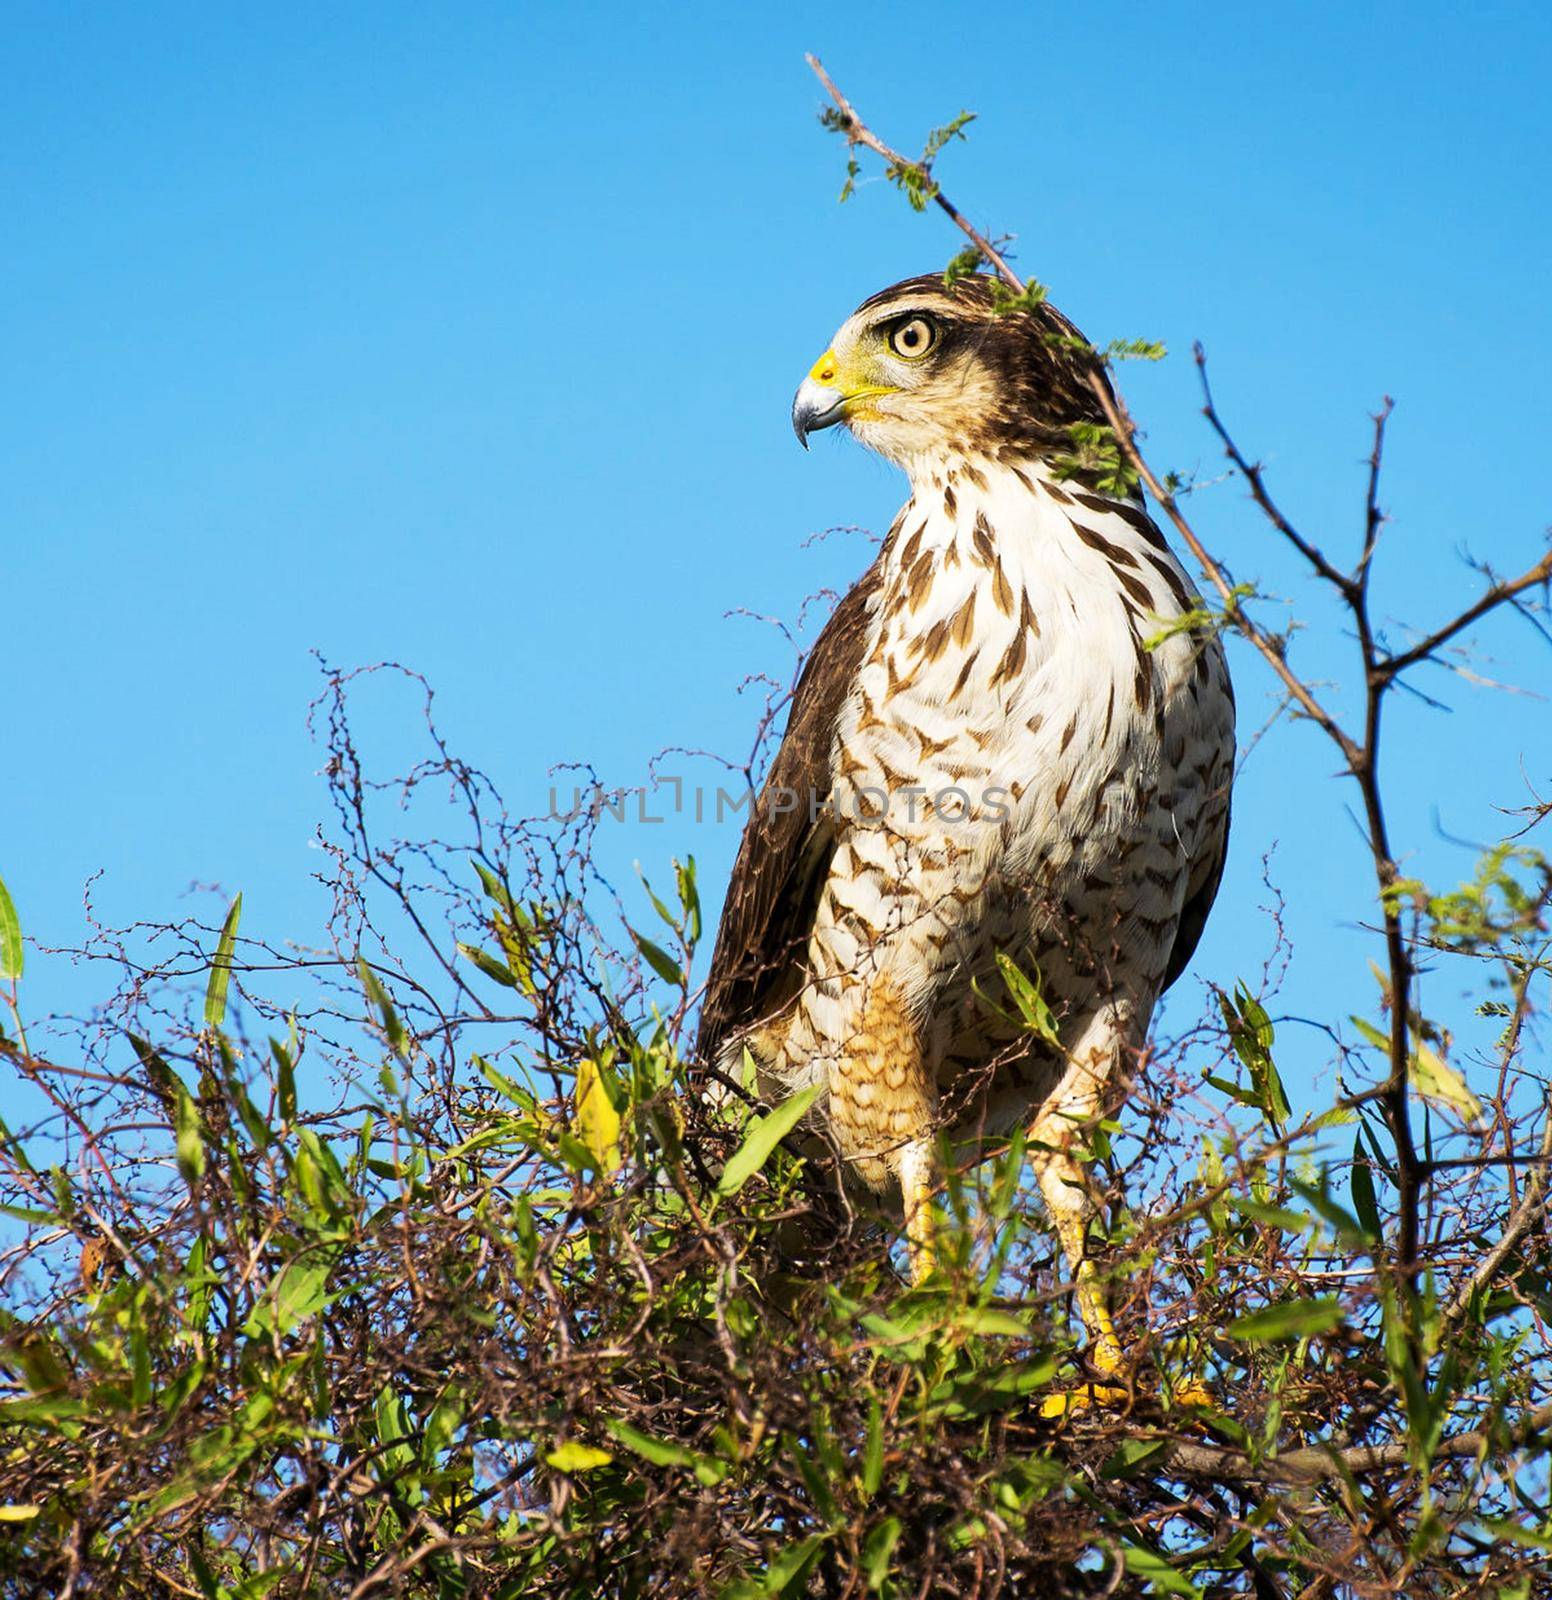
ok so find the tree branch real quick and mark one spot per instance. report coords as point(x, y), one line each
point(1497, 595)
point(1312, 1463)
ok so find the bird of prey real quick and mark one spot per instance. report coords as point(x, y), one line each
point(1012, 738)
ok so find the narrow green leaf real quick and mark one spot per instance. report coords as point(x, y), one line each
point(1149, 1564)
point(658, 959)
point(297, 1293)
point(878, 1551)
point(494, 888)
point(995, 1389)
point(11, 954)
point(1343, 1223)
point(1365, 1202)
point(873, 1450)
point(1436, 1080)
point(488, 964)
point(1272, 1216)
point(1037, 1015)
point(285, 1077)
point(221, 967)
point(1132, 1456)
point(14, 1148)
point(1294, 1319)
point(660, 1452)
point(1252, 1035)
point(788, 1573)
point(378, 995)
point(763, 1137)
point(190, 1145)
point(689, 898)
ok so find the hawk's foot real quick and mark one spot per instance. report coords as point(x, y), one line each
point(1184, 1392)
point(1106, 1360)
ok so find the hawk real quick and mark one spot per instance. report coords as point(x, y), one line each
point(1009, 740)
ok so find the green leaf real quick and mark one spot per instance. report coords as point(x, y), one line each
point(1038, 1017)
point(873, 1449)
point(658, 959)
point(190, 1145)
point(878, 1551)
point(1252, 1035)
point(989, 1320)
point(763, 1137)
point(298, 1293)
point(285, 1077)
point(788, 1573)
point(1345, 1225)
point(495, 889)
point(994, 1389)
point(574, 1457)
point(11, 953)
point(665, 1453)
point(221, 967)
point(44, 1370)
point(1436, 1080)
point(660, 1452)
point(1294, 1319)
point(1365, 1202)
point(1272, 1216)
point(1149, 1564)
point(378, 995)
point(1133, 1456)
point(488, 964)
point(689, 898)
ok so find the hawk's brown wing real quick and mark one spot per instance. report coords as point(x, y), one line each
point(1193, 914)
point(786, 850)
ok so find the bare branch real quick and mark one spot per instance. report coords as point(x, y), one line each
point(1499, 594)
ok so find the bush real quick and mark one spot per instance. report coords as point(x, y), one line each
point(453, 1279)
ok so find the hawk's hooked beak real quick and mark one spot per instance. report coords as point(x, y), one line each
point(824, 396)
point(815, 407)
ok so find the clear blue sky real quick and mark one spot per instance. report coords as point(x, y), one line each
point(465, 335)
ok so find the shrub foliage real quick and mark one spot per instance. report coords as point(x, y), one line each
point(428, 1263)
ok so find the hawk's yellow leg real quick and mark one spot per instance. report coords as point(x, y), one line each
point(1104, 1346)
point(1064, 1186)
point(918, 1178)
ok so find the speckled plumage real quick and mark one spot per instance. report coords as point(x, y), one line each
point(995, 660)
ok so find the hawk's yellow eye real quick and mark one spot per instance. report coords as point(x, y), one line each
point(912, 338)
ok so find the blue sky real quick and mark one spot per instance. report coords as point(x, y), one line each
point(466, 335)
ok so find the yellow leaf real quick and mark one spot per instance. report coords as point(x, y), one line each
point(19, 1513)
point(597, 1122)
point(577, 1458)
point(1435, 1080)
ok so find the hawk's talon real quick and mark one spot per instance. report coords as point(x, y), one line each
point(1058, 1407)
point(1193, 1393)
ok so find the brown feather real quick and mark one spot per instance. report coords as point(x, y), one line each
point(784, 858)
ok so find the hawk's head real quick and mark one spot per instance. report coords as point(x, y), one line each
point(929, 370)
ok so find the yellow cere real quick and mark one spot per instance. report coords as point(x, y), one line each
point(823, 370)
